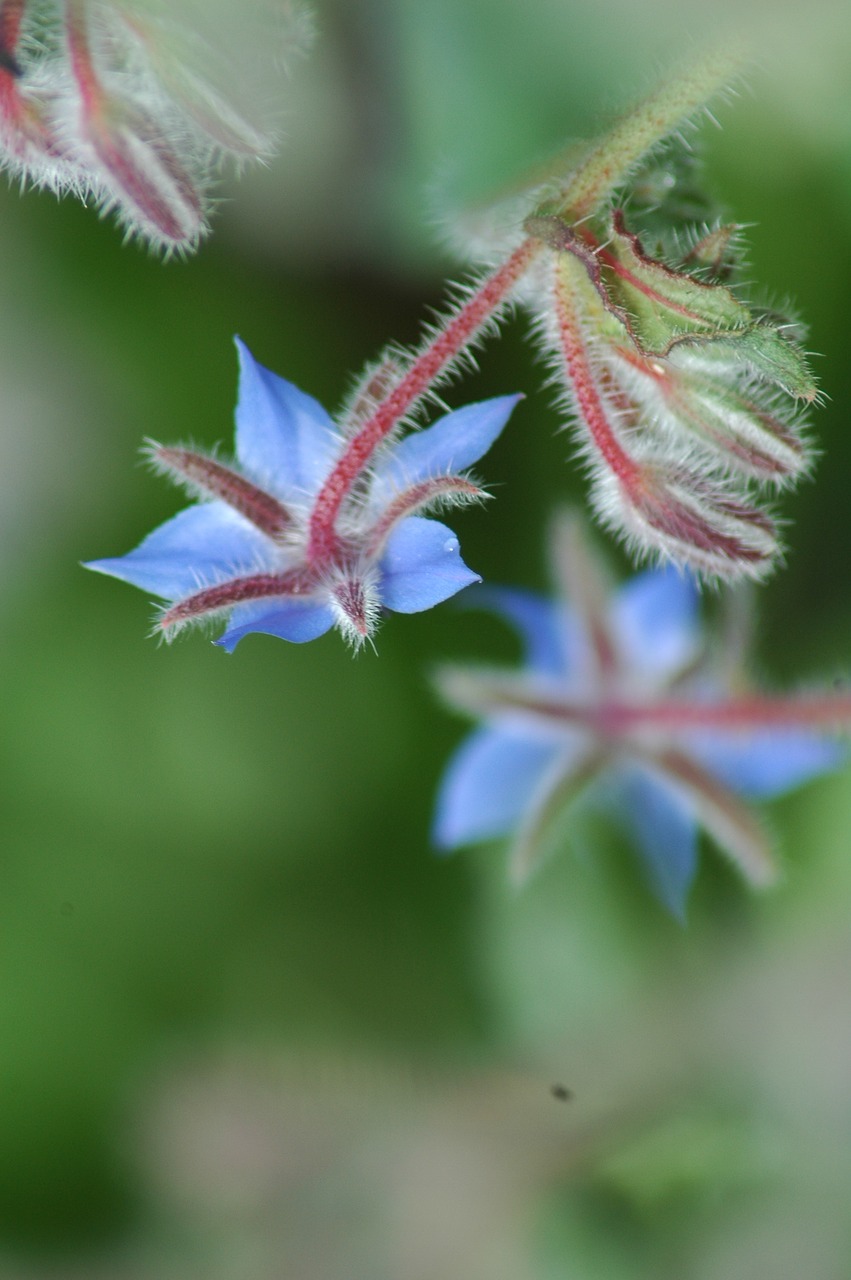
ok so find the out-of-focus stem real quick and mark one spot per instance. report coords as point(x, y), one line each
point(750, 713)
point(427, 367)
point(611, 161)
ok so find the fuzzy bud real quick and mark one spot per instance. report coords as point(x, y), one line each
point(687, 399)
point(131, 103)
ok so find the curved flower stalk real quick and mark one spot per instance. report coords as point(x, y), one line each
point(686, 398)
point(622, 702)
point(131, 103)
point(315, 524)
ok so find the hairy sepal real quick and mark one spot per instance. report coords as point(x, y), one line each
point(356, 602)
point(744, 429)
point(679, 515)
point(662, 308)
point(212, 602)
point(428, 495)
point(206, 477)
point(557, 794)
point(733, 826)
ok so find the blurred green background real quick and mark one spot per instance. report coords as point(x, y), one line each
point(249, 1025)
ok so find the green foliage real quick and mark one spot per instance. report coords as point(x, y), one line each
point(181, 874)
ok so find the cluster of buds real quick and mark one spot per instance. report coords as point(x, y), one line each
point(687, 399)
point(684, 395)
point(131, 103)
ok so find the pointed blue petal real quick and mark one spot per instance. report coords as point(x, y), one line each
point(767, 763)
point(285, 440)
point(421, 566)
point(655, 621)
point(489, 784)
point(453, 444)
point(663, 827)
point(297, 623)
point(200, 546)
point(544, 626)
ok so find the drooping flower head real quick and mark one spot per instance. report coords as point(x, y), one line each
point(131, 103)
point(310, 528)
point(686, 396)
point(623, 702)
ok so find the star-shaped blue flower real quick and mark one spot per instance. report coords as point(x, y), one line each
point(622, 703)
point(306, 529)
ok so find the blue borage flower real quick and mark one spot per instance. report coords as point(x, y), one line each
point(246, 550)
point(621, 702)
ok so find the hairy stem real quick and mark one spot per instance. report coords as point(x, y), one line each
point(612, 160)
point(433, 359)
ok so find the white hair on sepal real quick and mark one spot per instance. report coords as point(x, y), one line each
point(355, 599)
point(132, 106)
point(692, 510)
point(689, 522)
point(749, 428)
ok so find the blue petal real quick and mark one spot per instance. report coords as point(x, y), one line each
point(297, 623)
point(489, 784)
point(655, 619)
point(421, 566)
point(201, 545)
point(662, 823)
point(544, 626)
point(453, 444)
point(285, 440)
point(766, 763)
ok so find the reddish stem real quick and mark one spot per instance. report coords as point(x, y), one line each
point(377, 387)
point(462, 329)
point(592, 408)
point(11, 17)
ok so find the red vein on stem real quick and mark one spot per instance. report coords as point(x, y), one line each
point(461, 330)
point(590, 403)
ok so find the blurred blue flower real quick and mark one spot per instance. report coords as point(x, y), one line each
point(255, 549)
point(622, 702)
